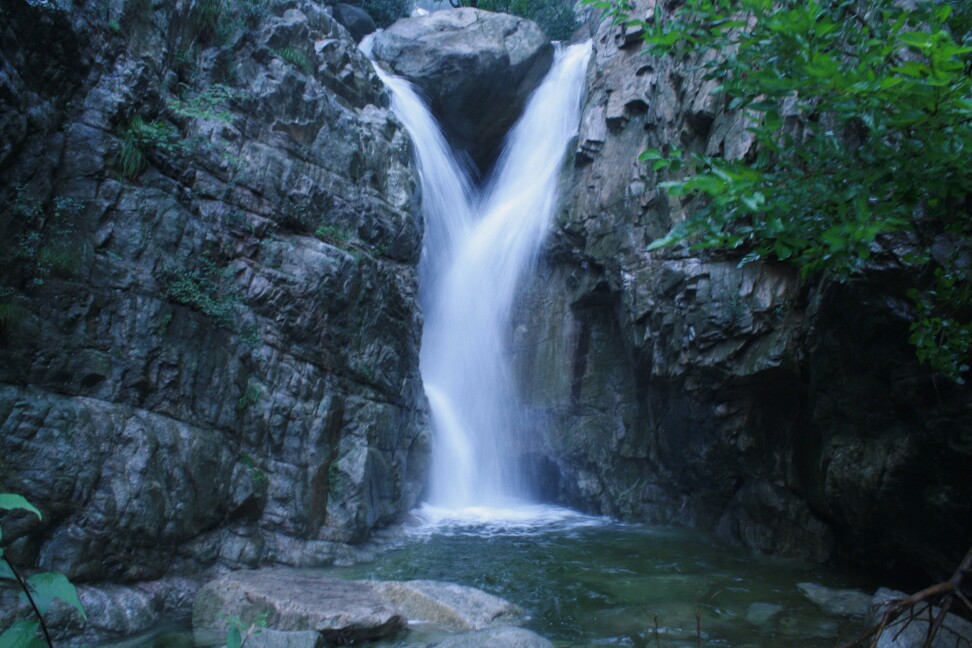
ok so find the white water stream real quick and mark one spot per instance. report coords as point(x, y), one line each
point(479, 246)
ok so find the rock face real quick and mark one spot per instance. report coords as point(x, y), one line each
point(789, 415)
point(477, 69)
point(209, 332)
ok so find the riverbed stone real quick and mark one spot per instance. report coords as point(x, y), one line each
point(338, 610)
point(476, 67)
point(956, 631)
point(455, 607)
point(839, 602)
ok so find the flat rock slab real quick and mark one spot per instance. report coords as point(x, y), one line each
point(339, 610)
point(451, 606)
point(301, 605)
point(840, 602)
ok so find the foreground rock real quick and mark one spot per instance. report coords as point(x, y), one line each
point(955, 633)
point(839, 602)
point(339, 610)
point(451, 606)
point(477, 68)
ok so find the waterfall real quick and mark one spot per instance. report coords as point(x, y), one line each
point(479, 247)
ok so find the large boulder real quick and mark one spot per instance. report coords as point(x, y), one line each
point(477, 69)
point(339, 610)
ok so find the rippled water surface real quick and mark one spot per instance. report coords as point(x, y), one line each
point(592, 581)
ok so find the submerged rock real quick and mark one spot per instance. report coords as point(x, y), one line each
point(839, 602)
point(451, 606)
point(911, 633)
point(477, 69)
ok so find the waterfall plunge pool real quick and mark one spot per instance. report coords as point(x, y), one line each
point(593, 581)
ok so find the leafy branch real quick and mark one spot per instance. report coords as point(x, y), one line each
point(861, 118)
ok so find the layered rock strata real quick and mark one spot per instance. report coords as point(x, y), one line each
point(789, 415)
point(209, 344)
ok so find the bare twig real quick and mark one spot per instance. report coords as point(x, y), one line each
point(904, 611)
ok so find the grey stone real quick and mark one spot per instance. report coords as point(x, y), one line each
point(297, 601)
point(761, 613)
point(268, 638)
point(839, 602)
point(955, 632)
point(502, 637)
point(451, 606)
point(477, 69)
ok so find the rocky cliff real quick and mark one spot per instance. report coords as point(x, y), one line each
point(789, 415)
point(208, 320)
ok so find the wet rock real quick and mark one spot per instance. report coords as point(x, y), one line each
point(495, 638)
point(338, 610)
point(355, 19)
point(839, 602)
point(761, 613)
point(476, 67)
point(225, 370)
point(788, 414)
point(451, 606)
point(955, 631)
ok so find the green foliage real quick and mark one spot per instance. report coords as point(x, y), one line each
point(199, 288)
point(205, 18)
point(257, 475)
point(211, 104)
point(861, 113)
point(40, 590)
point(10, 311)
point(337, 236)
point(239, 631)
point(295, 57)
point(48, 246)
point(139, 137)
point(250, 397)
point(555, 17)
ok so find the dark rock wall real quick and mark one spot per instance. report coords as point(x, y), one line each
point(214, 358)
point(791, 416)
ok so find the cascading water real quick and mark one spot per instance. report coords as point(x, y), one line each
point(478, 249)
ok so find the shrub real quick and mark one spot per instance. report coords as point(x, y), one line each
point(884, 95)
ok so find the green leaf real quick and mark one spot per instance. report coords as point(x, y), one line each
point(22, 634)
point(48, 586)
point(233, 638)
point(13, 502)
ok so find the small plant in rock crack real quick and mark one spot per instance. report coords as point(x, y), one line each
point(38, 590)
point(48, 245)
point(239, 631)
point(139, 138)
point(200, 289)
point(295, 57)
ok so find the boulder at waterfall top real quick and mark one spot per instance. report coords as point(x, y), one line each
point(477, 69)
point(340, 610)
